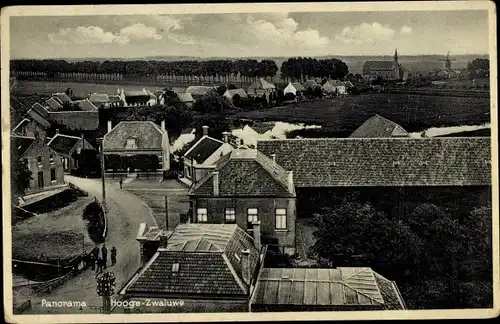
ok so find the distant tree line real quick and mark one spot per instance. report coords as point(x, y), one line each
point(227, 70)
point(478, 68)
point(303, 68)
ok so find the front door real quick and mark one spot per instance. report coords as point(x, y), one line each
point(40, 179)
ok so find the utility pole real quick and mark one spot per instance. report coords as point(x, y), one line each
point(102, 175)
point(105, 288)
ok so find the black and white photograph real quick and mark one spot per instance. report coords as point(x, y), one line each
point(205, 162)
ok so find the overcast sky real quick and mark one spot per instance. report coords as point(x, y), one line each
point(254, 34)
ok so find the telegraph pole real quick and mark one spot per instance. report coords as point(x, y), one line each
point(102, 175)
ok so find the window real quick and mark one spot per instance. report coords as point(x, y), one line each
point(51, 159)
point(252, 216)
point(202, 215)
point(52, 174)
point(39, 159)
point(280, 218)
point(230, 215)
point(175, 267)
point(131, 143)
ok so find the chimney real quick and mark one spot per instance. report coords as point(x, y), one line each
point(256, 235)
point(110, 125)
point(205, 130)
point(216, 182)
point(225, 136)
point(273, 157)
point(57, 131)
point(245, 266)
point(141, 238)
point(163, 125)
point(290, 181)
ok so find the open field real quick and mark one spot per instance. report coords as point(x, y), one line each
point(153, 194)
point(341, 116)
point(60, 234)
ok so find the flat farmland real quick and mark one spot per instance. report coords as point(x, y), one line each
point(28, 87)
point(413, 112)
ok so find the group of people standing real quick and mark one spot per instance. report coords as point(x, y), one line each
point(99, 258)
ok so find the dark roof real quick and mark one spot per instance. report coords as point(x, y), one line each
point(76, 120)
point(355, 162)
point(20, 144)
point(207, 263)
point(246, 172)
point(310, 84)
point(203, 149)
point(198, 90)
point(114, 98)
point(231, 92)
point(39, 119)
point(148, 135)
point(99, 98)
point(185, 97)
point(298, 86)
point(377, 66)
point(378, 126)
point(85, 105)
point(63, 97)
point(341, 287)
point(41, 110)
point(261, 83)
point(53, 104)
point(63, 144)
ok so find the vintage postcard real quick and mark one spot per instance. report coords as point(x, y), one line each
point(166, 163)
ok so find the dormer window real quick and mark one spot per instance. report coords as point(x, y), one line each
point(175, 267)
point(131, 143)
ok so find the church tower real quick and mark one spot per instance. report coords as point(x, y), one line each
point(397, 75)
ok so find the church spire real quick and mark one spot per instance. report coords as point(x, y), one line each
point(396, 55)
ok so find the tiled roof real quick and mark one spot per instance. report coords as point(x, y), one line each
point(378, 126)
point(198, 90)
point(41, 110)
point(356, 287)
point(261, 83)
point(62, 96)
point(298, 86)
point(147, 133)
point(358, 162)
point(246, 172)
point(39, 119)
point(99, 98)
point(206, 263)
point(20, 144)
point(185, 97)
point(76, 120)
point(53, 104)
point(230, 93)
point(64, 144)
point(85, 105)
point(390, 292)
point(377, 66)
point(203, 149)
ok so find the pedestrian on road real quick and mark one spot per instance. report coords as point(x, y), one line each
point(121, 182)
point(104, 252)
point(113, 256)
point(99, 264)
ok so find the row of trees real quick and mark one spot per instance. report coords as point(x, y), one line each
point(478, 68)
point(225, 69)
point(303, 68)
point(437, 260)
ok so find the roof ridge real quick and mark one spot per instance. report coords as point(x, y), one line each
point(261, 156)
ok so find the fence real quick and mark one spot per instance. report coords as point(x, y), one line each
point(53, 284)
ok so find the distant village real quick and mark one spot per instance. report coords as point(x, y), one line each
point(242, 219)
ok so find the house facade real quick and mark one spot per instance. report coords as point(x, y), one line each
point(209, 267)
point(295, 88)
point(247, 187)
point(197, 92)
point(334, 87)
point(140, 145)
point(137, 97)
point(261, 88)
point(203, 155)
point(229, 94)
point(72, 150)
point(44, 163)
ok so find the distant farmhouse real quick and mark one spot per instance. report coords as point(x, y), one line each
point(386, 70)
point(137, 97)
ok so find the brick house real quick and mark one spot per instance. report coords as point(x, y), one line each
point(210, 267)
point(129, 139)
point(44, 163)
point(324, 289)
point(244, 187)
point(203, 155)
point(378, 126)
point(70, 148)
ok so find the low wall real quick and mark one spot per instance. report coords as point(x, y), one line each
point(56, 201)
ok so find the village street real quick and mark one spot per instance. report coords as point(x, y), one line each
point(125, 212)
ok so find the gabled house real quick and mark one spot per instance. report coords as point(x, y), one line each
point(36, 122)
point(334, 87)
point(43, 162)
point(386, 70)
point(140, 145)
point(209, 267)
point(247, 187)
point(70, 149)
point(62, 97)
point(229, 94)
point(260, 88)
point(184, 97)
point(54, 104)
point(296, 88)
point(310, 84)
point(378, 126)
point(85, 105)
point(324, 289)
point(203, 155)
point(137, 97)
point(197, 92)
